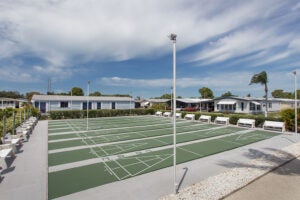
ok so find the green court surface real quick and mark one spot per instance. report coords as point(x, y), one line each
point(137, 150)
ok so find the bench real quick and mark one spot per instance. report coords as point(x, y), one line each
point(205, 118)
point(158, 114)
point(22, 133)
point(272, 125)
point(167, 114)
point(222, 120)
point(246, 122)
point(6, 150)
point(178, 115)
point(189, 116)
point(14, 140)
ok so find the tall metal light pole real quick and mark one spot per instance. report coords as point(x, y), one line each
point(173, 38)
point(71, 100)
point(171, 98)
point(87, 106)
point(296, 121)
point(130, 103)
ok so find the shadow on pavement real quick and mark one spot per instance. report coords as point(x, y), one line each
point(275, 159)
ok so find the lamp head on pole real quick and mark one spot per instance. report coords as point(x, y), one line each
point(172, 37)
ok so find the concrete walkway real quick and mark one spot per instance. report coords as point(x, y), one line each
point(26, 177)
point(282, 183)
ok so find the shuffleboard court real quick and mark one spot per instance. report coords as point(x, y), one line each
point(94, 158)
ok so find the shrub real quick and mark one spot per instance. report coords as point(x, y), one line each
point(288, 116)
point(233, 119)
point(75, 114)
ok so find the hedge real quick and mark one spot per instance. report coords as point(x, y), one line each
point(75, 114)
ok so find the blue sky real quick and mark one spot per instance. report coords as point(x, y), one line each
point(122, 46)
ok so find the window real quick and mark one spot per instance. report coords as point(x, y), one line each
point(218, 107)
point(242, 106)
point(64, 104)
point(84, 105)
point(252, 106)
point(258, 107)
point(270, 105)
point(98, 105)
point(113, 105)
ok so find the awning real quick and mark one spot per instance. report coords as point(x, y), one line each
point(226, 102)
point(255, 102)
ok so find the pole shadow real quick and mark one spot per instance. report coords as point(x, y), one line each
point(182, 178)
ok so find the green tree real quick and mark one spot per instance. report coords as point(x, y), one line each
point(77, 91)
point(281, 94)
point(96, 94)
point(227, 94)
point(261, 78)
point(205, 92)
point(11, 94)
point(166, 96)
point(30, 94)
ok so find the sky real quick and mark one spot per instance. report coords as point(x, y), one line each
point(123, 46)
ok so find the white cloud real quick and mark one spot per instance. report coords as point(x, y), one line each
point(296, 7)
point(17, 75)
point(214, 80)
point(236, 82)
point(241, 42)
point(69, 33)
point(58, 31)
point(127, 82)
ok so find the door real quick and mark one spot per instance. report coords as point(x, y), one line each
point(43, 107)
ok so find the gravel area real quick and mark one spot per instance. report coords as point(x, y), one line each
point(223, 184)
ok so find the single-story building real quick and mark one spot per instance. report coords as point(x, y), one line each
point(194, 104)
point(147, 103)
point(11, 103)
point(46, 103)
point(251, 105)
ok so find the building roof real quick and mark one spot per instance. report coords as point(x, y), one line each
point(255, 99)
point(11, 99)
point(192, 100)
point(156, 100)
point(38, 97)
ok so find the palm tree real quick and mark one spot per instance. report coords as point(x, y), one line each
point(261, 78)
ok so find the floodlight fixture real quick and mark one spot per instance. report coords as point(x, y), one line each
point(173, 37)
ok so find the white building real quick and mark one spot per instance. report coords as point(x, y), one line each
point(148, 103)
point(46, 103)
point(11, 103)
point(251, 105)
